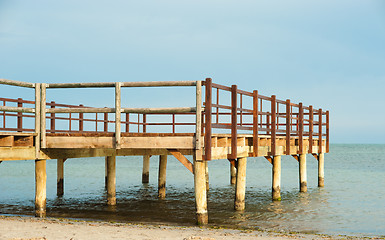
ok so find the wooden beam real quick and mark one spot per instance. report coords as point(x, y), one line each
point(146, 169)
point(200, 191)
point(208, 109)
point(276, 188)
point(310, 129)
point(198, 115)
point(300, 130)
point(234, 124)
point(181, 158)
point(16, 83)
point(255, 124)
point(288, 126)
point(111, 180)
point(40, 188)
point(118, 113)
point(43, 110)
point(162, 176)
point(273, 124)
point(240, 187)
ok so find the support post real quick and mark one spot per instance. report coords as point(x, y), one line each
point(40, 188)
point(207, 176)
point(208, 109)
point(162, 177)
point(60, 177)
point(240, 187)
point(321, 174)
point(118, 113)
point(200, 191)
point(19, 116)
point(302, 173)
point(37, 119)
point(43, 111)
point(105, 172)
point(233, 174)
point(111, 180)
point(276, 189)
point(146, 169)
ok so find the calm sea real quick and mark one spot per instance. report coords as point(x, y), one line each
point(352, 201)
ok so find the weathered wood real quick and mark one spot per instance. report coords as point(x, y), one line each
point(302, 173)
point(320, 150)
point(111, 180)
point(233, 173)
point(60, 177)
point(146, 169)
point(288, 126)
point(200, 191)
point(207, 176)
point(118, 115)
point(273, 125)
point(255, 123)
point(276, 189)
point(81, 110)
point(240, 187)
point(17, 109)
point(162, 176)
point(300, 129)
point(310, 129)
point(327, 131)
point(234, 119)
point(6, 141)
point(123, 84)
point(16, 83)
point(321, 173)
point(23, 141)
point(105, 172)
point(160, 110)
point(43, 116)
point(208, 109)
point(198, 115)
point(181, 158)
point(40, 188)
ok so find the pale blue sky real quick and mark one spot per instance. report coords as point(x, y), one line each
point(330, 54)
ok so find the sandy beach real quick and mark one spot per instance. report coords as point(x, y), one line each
point(13, 227)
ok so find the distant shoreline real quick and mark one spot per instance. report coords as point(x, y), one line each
point(22, 227)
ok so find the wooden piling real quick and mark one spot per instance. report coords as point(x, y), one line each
point(111, 180)
point(162, 177)
point(302, 173)
point(60, 177)
point(200, 191)
point(321, 174)
point(276, 189)
point(40, 188)
point(105, 172)
point(240, 187)
point(233, 174)
point(207, 176)
point(146, 169)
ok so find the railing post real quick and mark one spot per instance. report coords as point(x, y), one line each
point(52, 118)
point(273, 125)
point(300, 129)
point(173, 123)
point(288, 126)
point(43, 114)
point(127, 122)
point(320, 130)
point(255, 124)
point(234, 124)
point(198, 115)
point(81, 116)
point(37, 119)
point(144, 122)
point(19, 116)
point(208, 109)
point(310, 129)
point(327, 131)
point(117, 114)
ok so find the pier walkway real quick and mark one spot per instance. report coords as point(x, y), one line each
point(225, 123)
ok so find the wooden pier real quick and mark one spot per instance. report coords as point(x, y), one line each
point(228, 123)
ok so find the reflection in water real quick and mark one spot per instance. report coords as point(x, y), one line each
point(351, 202)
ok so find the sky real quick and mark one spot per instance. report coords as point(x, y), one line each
point(329, 54)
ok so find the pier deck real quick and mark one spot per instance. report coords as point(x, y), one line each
point(250, 125)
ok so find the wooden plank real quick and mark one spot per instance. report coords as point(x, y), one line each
point(19, 115)
point(118, 113)
point(198, 115)
point(37, 119)
point(16, 83)
point(273, 125)
point(234, 119)
point(288, 126)
point(23, 141)
point(160, 110)
point(17, 134)
point(6, 141)
point(43, 115)
point(81, 110)
point(300, 129)
point(181, 158)
point(310, 129)
point(123, 84)
point(17, 109)
point(255, 123)
point(159, 142)
point(208, 110)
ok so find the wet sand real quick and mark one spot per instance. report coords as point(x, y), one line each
point(14, 227)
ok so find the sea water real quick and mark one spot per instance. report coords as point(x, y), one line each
point(351, 203)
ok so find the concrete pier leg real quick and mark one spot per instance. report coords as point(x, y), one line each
point(146, 169)
point(200, 192)
point(302, 173)
point(40, 188)
point(240, 187)
point(233, 174)
point(111, 180)
point(276, 189)
point(321, 173)
point(162, 177)
point(207, 176)
point(60, 177)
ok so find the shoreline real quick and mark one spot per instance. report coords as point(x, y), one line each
point(31, 228)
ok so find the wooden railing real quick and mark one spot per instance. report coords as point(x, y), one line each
point(240, 111)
